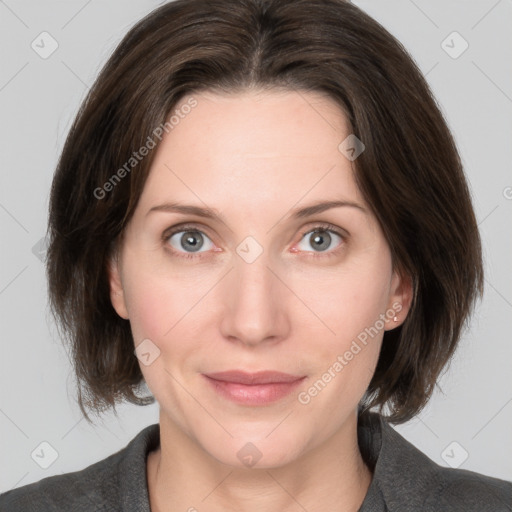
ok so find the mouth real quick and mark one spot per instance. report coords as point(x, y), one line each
point(258, 388)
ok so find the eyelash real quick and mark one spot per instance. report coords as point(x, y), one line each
point(321, 227)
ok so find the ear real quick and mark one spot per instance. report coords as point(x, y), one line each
point(116, 287)
point(400, 299)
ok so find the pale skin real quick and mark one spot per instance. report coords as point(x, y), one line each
point(254, 158)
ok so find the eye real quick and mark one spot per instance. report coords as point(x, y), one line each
point(321, 238)
point(188, 240)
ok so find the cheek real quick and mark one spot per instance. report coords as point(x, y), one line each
point(155, 310)
point(153, 306)
point(164, 305)
point(145, 306)
point(352, 306)
point(344, 363)
point(353, 300)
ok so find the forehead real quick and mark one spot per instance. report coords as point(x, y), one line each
point(253, 148)
point(259, 124)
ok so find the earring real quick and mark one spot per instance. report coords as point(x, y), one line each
point(395, 319)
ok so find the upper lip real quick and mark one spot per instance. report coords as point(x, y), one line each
point(262, 377)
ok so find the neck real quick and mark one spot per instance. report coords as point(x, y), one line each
point(182, 476)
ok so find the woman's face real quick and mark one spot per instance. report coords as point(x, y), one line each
point(253, 287)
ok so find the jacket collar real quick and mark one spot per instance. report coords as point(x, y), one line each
point(399, 468)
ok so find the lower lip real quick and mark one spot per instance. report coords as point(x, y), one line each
point(257, 394)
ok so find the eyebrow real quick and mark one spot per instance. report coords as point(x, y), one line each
point(211, 213)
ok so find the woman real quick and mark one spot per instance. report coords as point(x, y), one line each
point(247, 216)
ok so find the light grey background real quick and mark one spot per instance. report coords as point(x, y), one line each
point(38, 98)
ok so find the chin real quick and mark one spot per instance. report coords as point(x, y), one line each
point(257, 451)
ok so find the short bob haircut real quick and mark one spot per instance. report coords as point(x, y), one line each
point(410, 173)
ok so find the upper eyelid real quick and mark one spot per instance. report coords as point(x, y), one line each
point(178, 228)
point(326, 226)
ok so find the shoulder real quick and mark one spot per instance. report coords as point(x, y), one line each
point(99, 486)
point(407, 479)
point(81, 489)
point(460, 489)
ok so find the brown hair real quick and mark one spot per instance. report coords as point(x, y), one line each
point(410, 174)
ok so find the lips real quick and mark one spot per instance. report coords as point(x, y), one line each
point(253, 389)
point(252, 379)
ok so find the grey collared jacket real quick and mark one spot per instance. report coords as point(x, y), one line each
point(404, 480)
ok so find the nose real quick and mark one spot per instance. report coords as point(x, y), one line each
point(255, 304)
